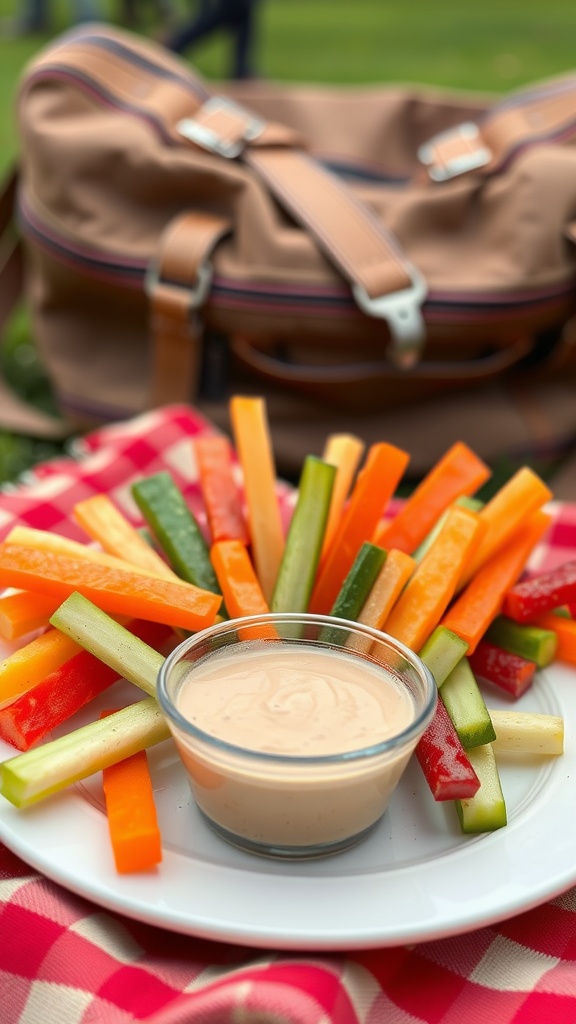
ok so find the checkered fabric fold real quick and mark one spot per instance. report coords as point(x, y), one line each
point(65, 961)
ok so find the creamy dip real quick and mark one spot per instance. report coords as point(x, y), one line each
point(289, 702)
point(295, 699)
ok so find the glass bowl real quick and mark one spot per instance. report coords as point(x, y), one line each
point(294, 729)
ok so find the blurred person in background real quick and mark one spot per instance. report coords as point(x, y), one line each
point(237, 17)
point(35, 16)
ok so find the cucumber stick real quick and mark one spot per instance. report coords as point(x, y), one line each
point(441, 653)
point(529, 642)
point(176, 529)
point(356, 586)
point(297, 570)
point(465, 705)
point(486, 810)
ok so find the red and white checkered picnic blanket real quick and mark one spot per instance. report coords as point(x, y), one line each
point(64, 960)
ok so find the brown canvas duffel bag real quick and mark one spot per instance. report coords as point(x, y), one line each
point(395, 261)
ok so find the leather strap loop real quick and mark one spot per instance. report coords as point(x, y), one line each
point(177, 285)
point(537, 116)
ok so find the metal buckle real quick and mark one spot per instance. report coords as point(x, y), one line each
point(453, 166)
point(207, 138)
point(197, 294)
point(402, 311)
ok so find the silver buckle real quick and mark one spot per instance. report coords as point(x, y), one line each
point(197, 294)
point(455, 165)
point(208, 139)
point(402, 311)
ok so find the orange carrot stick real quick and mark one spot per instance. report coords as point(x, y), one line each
point(240, 585)
point(104, 522)
point(374, 487)
point(131, 812)
point(389, 584)
point(431, 587)
point(512, 505)
point(565, 630)
point(481, 601)
point(254, 446)
point(238, 581)
point(343, 451)
point(116, 591)
point(54, 542)
point(26, 667)
point(219, 488)
point(22, 611)
point(459, 472)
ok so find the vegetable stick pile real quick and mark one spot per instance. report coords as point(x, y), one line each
point(444, 576)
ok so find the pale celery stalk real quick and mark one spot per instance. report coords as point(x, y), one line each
point(36, 774)
point(31, 776)
point(528, 732)
point(93, 629)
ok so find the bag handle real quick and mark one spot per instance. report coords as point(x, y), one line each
point(334, 375)
point(16, 414)
point(527, 118)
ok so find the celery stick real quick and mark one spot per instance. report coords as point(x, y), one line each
point(442, 652)
point(305, 537)
point(465, 705)
point(486, 810)
point(529, 642)
point(528, 732)
point(474, 504)
point(41, 771)
point(100, 634)
point(176, 530)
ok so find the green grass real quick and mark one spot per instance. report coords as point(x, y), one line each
point(494, 47)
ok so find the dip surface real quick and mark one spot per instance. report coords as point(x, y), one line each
point(295, 699)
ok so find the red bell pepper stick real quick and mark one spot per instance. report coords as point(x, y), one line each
point(63, 692)
point(502, 668)
point(442, 758)
point(219, 489)
point(530, 598)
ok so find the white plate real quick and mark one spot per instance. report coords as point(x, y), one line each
point(416, 878)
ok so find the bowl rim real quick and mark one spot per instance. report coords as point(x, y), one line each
point(393, 743)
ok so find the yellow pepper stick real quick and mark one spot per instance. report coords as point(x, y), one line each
point(343, 451)
point(429, 590)
point(22, 611)
point(29, 665)
point(104, 522)
point(254, 447)
point(512, 505)
point(389, 584)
